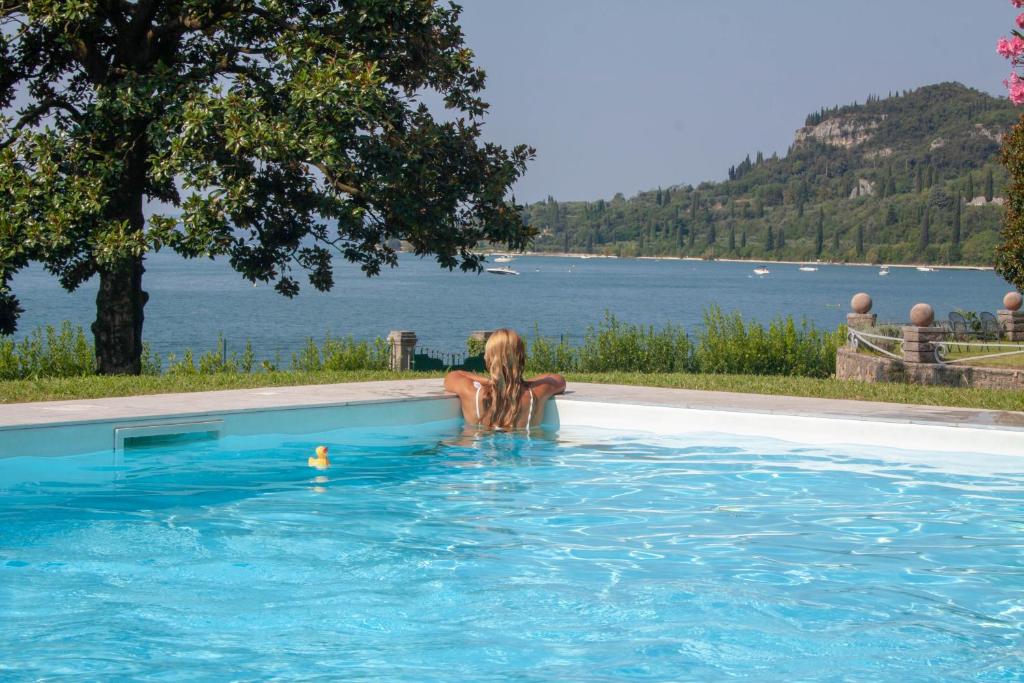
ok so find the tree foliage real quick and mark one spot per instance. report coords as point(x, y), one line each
point(1010, 253)
point(274, 133)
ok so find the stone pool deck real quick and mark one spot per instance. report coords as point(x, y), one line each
point(52, 413)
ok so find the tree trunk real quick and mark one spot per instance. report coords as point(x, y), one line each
point(120, 300)
point(119, 315)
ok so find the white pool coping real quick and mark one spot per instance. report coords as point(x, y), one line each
point(68, 427)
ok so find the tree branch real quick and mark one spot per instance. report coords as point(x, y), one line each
point(33, 114)
point(336, 183)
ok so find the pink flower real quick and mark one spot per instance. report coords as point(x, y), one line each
point(1020, 20)
point(1003, 47)
point(1014, 47)
point(1017, 3)
point(1017, 46)
point(1015, 84)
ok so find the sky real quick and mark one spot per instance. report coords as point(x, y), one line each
point(629, 95)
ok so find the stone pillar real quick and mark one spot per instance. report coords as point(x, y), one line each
point(1011, 319)
point(403, 345)
point(1012, 324)
point(859, 316)
point(919, 337)
point(480, 336)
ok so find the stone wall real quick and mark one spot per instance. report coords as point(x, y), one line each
point(850, 364)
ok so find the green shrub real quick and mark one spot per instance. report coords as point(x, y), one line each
point(725, 345)
point(48, 352)
point(151, 362)
point(623, 347)
point(339, 354)
point(545, 355)
point(728, 344)
point(475, 347)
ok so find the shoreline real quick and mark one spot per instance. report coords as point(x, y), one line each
point(581, 255)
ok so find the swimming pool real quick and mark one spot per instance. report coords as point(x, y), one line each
point(425, 553)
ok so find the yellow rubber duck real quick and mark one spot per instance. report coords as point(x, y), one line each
point(321, 461)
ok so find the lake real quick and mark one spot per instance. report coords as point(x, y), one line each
point(192, 301)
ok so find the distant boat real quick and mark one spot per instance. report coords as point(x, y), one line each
point(761, 270)
point(884, 270)
point(503, 270)
point(927, 269)
point(504, 259)
point(809, 269)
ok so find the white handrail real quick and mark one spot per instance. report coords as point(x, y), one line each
point(856, 337)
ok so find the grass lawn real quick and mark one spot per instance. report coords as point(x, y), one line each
point(957, 352)
point(97, 387)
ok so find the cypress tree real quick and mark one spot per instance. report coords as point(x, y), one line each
point(769, 242)
point(835, 242)
point(690, 239)
point(919, 180)
point(926, 224)
point(970, 186)
point(743, 239)
point(989, 191)
point(956, 222)
point(819, 238)
point(931, 176)
point(860, 240)
point(781, 244)
point(657, 198)
point(711, 233)
point(694, 201)
point(732, 238)
point(890, 215)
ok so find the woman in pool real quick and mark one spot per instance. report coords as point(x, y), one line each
point(504, 400)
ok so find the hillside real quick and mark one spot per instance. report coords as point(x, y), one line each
point(913, 177)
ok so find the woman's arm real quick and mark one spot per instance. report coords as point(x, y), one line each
point(548, 384)
point(460, 381)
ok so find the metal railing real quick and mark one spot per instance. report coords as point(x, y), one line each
point(878, 342)
point(857, 338)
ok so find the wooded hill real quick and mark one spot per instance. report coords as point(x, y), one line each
point(912, 177)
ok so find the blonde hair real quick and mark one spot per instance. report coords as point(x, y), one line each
point(505, 358)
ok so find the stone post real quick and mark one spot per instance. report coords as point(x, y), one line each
point(1011, 319)
point(859, 317)
point(480, 336)
point(919, 337)
point(403, 345)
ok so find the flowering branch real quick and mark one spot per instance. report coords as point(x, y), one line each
point(1012, 48)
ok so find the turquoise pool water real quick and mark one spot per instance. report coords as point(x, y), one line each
point(424, 554)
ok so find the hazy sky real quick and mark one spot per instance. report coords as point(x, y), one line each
point(632, 94)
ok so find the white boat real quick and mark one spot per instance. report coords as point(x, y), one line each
point(809, 269)
point(884, 270)
point(502, 270)
point(504, 259)
point(926, 269)
point(761, 270)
